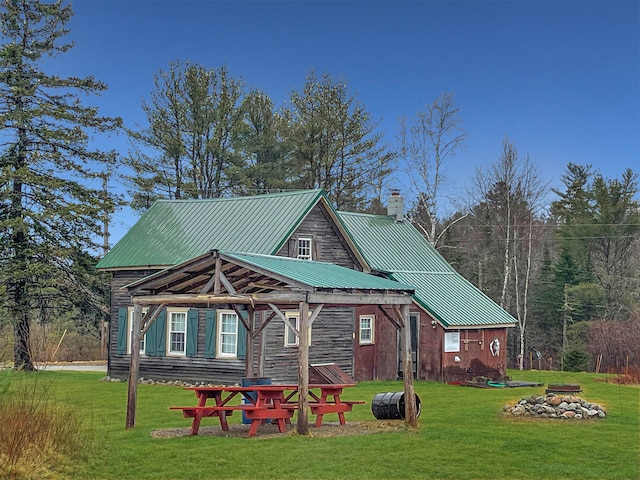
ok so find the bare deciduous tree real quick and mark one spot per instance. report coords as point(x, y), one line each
point(427, 142)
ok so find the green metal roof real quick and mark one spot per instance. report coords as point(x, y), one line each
point(400, 250)
point(318, 274)
point(173, 231)
point(390, 246)
point(453, 300)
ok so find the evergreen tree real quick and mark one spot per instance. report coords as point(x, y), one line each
point(47, 167)
point(262, 144)
point(189, 149)
point(334, 143)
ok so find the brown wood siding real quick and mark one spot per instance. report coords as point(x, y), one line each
point(331, 342)
point(476, 360)
point(430, 349)
point(378, 361)
point(167, 367)
point(333, 247)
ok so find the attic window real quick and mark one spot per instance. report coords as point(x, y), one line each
point(304, 248)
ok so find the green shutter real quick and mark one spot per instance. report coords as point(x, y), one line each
point(210, 332)
point(242, 338)
point(150, 340)
point(192, 332)
point(161, 334)
point(123, 328)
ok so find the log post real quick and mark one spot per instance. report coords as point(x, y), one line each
point(410, 409)
point(303, 370)
point(134, 364)
point(250, 352)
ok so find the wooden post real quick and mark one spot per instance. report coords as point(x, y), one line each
point(303, 370)
point(250, 352)
point(132, 388)
point(262, 344)
point(410, 409)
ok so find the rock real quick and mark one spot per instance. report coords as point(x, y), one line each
point(555, 406)
point(555, 401)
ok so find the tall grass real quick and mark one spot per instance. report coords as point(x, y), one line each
point(39, 438)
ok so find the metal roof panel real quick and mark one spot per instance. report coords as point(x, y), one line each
point(173, 231)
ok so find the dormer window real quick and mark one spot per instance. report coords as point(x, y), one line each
point(304, 248)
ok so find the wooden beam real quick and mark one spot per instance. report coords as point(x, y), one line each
point(208, 285)
point(250, 350)
point(241, 318)
point(197, 299)
point(216, 275)
point(227, 284)
point(410, 409)
point(264, 323)
point(284, 318)
point(134, 364)
point(149, 318)
point(315, 313)
point(359, 299)
point(303, 370)
point(266, 286)
point(390, 318)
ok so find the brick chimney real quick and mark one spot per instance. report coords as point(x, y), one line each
point(395, 207)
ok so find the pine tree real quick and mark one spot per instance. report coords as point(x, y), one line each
point(47, 166)
point(335, 144)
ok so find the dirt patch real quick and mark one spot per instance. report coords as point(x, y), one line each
point(328, 429)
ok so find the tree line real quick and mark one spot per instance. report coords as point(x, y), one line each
point(556, 266)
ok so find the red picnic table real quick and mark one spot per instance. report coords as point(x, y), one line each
point(276, 402)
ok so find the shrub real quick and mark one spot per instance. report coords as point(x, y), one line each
point(576, 360)
point(38, 438)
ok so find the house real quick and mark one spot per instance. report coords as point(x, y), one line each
point(360, 268)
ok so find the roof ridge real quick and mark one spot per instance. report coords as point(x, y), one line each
point(242, 198)
point(452, 272)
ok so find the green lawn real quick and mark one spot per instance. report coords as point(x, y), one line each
point(461, 435)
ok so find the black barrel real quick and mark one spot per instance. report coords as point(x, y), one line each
point(390, 406)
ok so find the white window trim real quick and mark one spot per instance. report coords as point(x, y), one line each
point(168, 340)
point(308, 256)
point(294, 317)
point(219, 353)
point(452, 341)
point(130, 330)
point(371, 340)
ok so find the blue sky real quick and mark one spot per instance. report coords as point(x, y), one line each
point(560, 79)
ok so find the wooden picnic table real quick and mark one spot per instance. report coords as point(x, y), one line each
point(276, 402)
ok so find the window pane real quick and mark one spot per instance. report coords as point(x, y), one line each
point(304, 248)
point(366, 330)
point(177, 332)
point(228, 333)
point(291, 338)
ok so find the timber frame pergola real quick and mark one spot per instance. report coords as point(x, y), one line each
point(224, 278)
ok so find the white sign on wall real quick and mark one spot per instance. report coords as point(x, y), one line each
point(452, 341)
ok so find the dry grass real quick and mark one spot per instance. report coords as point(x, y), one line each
point(38, 438)
point(328, 429)
point(624, 376)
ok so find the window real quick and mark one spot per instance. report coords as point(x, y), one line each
point(304, 248)
point(130, 332)
point(177, 333)
point(290, 338)
point(228, 334)
point(366, 329)
point(452, 341)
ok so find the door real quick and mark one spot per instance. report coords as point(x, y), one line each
point(413, 322)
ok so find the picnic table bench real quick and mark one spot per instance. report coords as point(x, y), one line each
point(275, 402)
